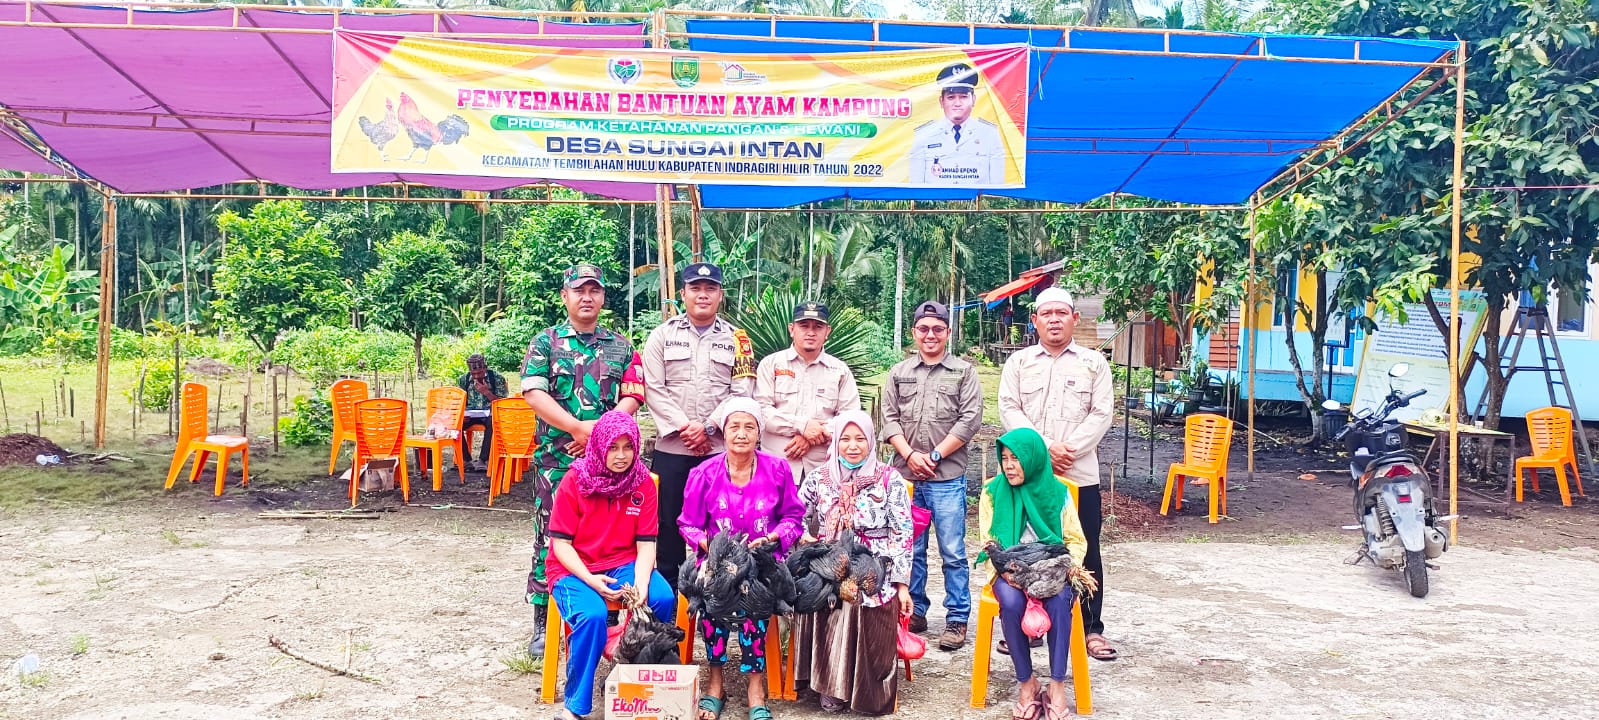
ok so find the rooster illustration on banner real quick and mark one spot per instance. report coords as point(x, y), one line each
point(422, 132)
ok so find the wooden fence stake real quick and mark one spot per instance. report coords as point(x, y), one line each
point(5, 409)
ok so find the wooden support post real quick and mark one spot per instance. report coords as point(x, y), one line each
point(1251, 316)
point(108, 271)
point(696, 232)
point(1455, 381)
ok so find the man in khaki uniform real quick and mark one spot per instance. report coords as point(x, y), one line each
point(1063, 390)
point(932, 406)
point(801, 389)
point(692, 362)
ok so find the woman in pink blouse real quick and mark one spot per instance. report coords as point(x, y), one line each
point(848, 655)
point(748, 492)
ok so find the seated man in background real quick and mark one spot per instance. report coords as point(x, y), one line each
point(483, 386)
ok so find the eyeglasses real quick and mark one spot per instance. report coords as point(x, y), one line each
point(931, 330)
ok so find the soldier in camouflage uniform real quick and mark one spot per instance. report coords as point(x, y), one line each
point(573, 373)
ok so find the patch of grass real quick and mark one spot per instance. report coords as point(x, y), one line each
point(36, 680)
point(171, 537)
point(311, 694)
point(1198, 539)
point(102, 584)
point(477, 568)
point(522, 663)
point(79, 644)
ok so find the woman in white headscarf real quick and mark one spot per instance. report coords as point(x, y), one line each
point(848, 655)
point(751, 493)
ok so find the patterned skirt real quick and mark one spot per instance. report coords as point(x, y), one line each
point(850, 654)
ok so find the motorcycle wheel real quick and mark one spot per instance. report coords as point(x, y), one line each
point(1416, 572)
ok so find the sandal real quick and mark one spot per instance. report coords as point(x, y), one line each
point(760, 712)
point(1099, 648)
point(1026, 709)
point(833, 704)
point(712, 705)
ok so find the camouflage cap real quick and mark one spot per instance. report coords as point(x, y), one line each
point(581, 273)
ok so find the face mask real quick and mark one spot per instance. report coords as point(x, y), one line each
point(851, 466)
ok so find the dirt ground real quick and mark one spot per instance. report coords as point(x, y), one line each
point(161, 607)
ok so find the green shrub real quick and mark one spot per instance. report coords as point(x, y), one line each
point(508, 339)
point(157, 386)
point(325, 354)
point(127, 345)
point(311, 423)
point(446, 356)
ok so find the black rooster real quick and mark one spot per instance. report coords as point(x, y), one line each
point(1042, 570)
point(648, 641)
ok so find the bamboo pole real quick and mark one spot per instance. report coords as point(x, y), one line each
point(1253, 318)
point(1455, 381)
point(696, 232)
point(102, 365)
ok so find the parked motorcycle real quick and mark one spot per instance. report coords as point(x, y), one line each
point(1393, 495)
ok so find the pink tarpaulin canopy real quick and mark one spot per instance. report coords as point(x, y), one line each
point(150, 110)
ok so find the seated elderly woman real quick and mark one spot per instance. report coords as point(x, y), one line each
point(751, 493)
point(602, 534)
point(1026, 502)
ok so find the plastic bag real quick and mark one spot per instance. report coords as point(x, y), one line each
point(1035, 620)
point(613, 637)
point(909, 645)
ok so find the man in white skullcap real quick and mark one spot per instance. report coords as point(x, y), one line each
point(1063, 390)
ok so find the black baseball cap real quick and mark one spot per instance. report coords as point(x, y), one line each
point(702, 271)
point(812, 310)
point(930, 309)
point(959, 77)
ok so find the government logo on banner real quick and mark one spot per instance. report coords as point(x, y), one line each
point(686, 71)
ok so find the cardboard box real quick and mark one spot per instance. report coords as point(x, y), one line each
point(652, 692)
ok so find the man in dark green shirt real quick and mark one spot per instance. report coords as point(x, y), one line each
point(483, 386)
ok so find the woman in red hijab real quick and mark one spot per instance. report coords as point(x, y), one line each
point(602, 535)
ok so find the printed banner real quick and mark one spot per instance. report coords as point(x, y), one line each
point(1417, 342)
point(944, 117)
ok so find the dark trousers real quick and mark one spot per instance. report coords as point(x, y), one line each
point(488, 437)
point(670, 550)
point(1012, 604)
point(1091, 514)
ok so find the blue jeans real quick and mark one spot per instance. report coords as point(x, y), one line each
point(583, 610)
point(947, 500)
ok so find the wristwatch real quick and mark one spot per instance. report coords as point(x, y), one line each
point(935, 456)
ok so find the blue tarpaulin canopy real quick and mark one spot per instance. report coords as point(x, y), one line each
point(1165, 122)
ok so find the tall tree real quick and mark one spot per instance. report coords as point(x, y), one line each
point(280, 272)
point(415, 287)
point(1530, 113)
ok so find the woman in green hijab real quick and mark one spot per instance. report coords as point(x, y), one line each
point(1026, 502)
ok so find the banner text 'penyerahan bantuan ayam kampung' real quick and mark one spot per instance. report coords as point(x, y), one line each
point(945, 117)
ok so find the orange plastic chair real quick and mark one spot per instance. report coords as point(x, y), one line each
point(515, 437)
point(1549, 429)
point(983, 648)
point(556, 628)
point(453, 401)
point(344, 395)
point(380, 435)
point(194, 436)
point(1205, 449)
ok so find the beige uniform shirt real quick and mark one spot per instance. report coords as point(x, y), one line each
point(925, 403)
point(686, 375)
point(1066, 398)
point(792, 393)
